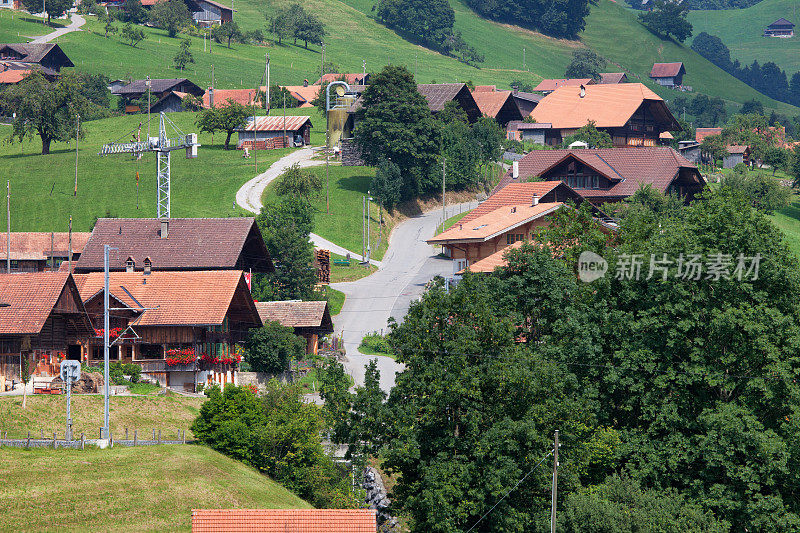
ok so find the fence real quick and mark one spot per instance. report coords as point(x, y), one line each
point(151, 439)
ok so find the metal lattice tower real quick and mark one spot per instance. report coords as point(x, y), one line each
point(163, 171)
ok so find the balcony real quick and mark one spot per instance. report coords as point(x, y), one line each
point(151, 366)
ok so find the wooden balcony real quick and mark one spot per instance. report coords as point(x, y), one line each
point(150, 366)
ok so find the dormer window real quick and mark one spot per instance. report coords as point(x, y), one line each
point(148, 265)
point(130, 264)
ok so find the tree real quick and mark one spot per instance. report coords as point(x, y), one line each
point(309, 28)
point(764, 193)
point(395, 123)
point(226, 118)
point(585, 64)
point(777, 158)
point(387, 184)
point(334, 387)
point(170, 15)
point(25, 376)
point(299, 182)
point(521, 85)
point(556, 18)
point(488, 137)
point(430, 22)
point(133, 34)
point(668, 19)
point(712, 48)
point(229, 31)
point(752, 106)
point(794, 89)
point(460, 154)
point(794, 165)
point(134, 12)
point(53, 8)
point(591, 136)
point(271, 347)
point(109, 27)
point(282, 24)
point(45, 108)
point(184, 56)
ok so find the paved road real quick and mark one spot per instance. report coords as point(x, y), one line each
point(75, 24)
point(408, 265)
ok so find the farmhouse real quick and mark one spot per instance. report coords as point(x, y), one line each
point(736, 154)
point(630, 113)
point(668, 74)
point(439, 94)
point(274, 132)
point(182, 328)
point(171, 91)
point(310, 320)
point(47, 57)
point(499, 105)
point(42, 321)
point(613, 174)
point(176, 244)
point(41, 251)
point(549, 85)
point(780, 28)
point(207, 12)
point(613, 77)
point(220, 97)
point(526, 102)
point(304, 94)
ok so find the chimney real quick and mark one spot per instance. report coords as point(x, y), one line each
point(210, 97)
point(164, 228)
point(583, 91)
point(535, 200)
point(129, 265)
point(305, 83)
point(515, 169)
point(514, 209)
point(460, 227)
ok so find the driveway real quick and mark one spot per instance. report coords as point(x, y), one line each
point(75, 24)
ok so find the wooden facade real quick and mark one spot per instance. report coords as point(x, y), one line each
point(642, 129)
point(467, 253)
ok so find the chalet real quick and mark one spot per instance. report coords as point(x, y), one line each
point(171, 102)
point(148, 244)
point(690, 150)
point(780, 28)
point(47, 57)
point(159, 88)
point(613, 77)
point(351, 79)
point(274, 132)
point(736, 154)
point(220, 97)
point(439, 94)
point(285, 520)
point(182, 328)
point(42, 321)
point(207, 12)
point(630, 113)
point(668, 74)
point(310, 320)
point(499, 105)
point(613, 174)
point(526, 102)
point(41, 251)
point(549, 85)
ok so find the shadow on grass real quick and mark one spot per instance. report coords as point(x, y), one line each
point(356, 183)
point(793, 211)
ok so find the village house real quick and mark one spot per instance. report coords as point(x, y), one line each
point(274, 131)
point(668, 74)
point(285, 520)
point(526, 102)
point(310, 320)
point(702, 133)
point(690, 150)
point(208, 12)
point(182, 328)
point(167, 93)
point(42, 322)
point(40, 251)
point(176, 244)
point(613, 77)
point(304, 94)
point(499, 105)
point(630, 113)
point(780, 28)
point(547, 86)
point(48, 58)
point(736, 154)
point(439, 94)
point(220, 97)
point(612, 174)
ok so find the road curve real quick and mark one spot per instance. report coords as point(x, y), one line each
point(75, 24)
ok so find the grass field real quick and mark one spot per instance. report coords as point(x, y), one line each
point(151, 488)
point(335, 301)
point(354, 271)
point(742, 32)
point(16, 26)
point(170, 414)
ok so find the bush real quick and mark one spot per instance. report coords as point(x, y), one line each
point(270, 348)
point(377, 343)
point(132, 370)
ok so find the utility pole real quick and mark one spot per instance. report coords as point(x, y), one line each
point(284, 118)
point(327, 177)
point(8, 227)
point(69, 257)
point(106, 249)
point(363, 226)
point(147, 82)
point(267, 78)
point(322, 61)
point(555, 485)
point(77, 133)
point(368, 200)
point(444, 212)
point(364, 66)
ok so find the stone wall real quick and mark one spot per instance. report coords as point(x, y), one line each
point(351, 156)
point(260, 379)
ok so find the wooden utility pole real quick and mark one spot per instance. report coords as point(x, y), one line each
point(77, 134)
point(266, 74)
point(444, 163)
point(69, 256)
point(284, 117)
point(8, 226)
point(322, 61)
point(555, 485)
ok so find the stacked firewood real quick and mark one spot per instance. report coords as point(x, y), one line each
point(323, 263)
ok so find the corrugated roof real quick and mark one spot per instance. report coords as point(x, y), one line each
point(609, 106)
point(296, 314)
point(32, 297)
point(494, 223)
point(553, 84)
point(283, 520)
point(36, 246)
point(512, 194)
point(195, 298)
point(666, 70)
point(276, 123)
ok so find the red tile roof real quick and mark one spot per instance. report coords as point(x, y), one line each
point(32, 297)
point(283, 521)
point(197, 298)
point(296, 314)
point(702, 133)
point(484, 89)
point(489, 263)
point(277, 123)
point(221, 97)
point(553, 84)
point(511, 194)
point(490, 103)
point(666, 70)
point(10, 77)
point(494, 223)
point(36, 246)
point(737, 149)
point(304, 94)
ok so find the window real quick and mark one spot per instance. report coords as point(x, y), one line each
point(130, 264)
point(511, 238)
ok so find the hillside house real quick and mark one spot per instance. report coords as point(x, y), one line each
point(613, 77)
point(668, 74)
point(271, 132)
point(182, 328)
point(171, 102)
point(208, 12)
point(310, 320)
point(736, 154)
point(439, 94)
point(780, 28)
point(177, 244)
point(159, 89)
point(41, 251)
point(547, 86)
point(630, 113)
point(49, 58)
point(499, 105)
point(613, 174)
point(42, 321)
point(304, 94)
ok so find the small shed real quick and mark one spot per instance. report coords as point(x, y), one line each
point(736, 154)
point(275, 132)
point(310, 320)
point(690, 150)
point(534, 131)
point(780, 28)
point(668, 74)
point(613, 77)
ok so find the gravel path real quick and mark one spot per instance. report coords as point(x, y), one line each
point(76, 21)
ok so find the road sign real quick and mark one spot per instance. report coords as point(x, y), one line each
point(70, 370)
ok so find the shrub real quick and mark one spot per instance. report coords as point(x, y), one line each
point(377, 343)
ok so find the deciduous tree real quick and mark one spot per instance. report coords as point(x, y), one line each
point(226, 118)
point(271, 347)
point(668, 19)
point(585, 64)
point(170, 15)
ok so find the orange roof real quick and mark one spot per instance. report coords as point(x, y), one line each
point(221, 97)
point(512, 194)
point(484, 89)
point(737, 149)
point(10, 77)
point(32, 297)
point(296, 314)
point(702, 133)
point(666, 70)
point(553, 84)
point(489, 263)
point(36, 246)
point(303, 94)
point(186, 298)
point(356, 78)
point(283, 520)
point(490, 103)
point(494, 223)
point(609, 106)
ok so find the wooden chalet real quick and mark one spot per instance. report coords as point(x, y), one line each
point(208, 12)
point(177, 244)
point(310, 320)
point(526, 102)
point(168, 93)
point(736, 154)
point(41, 251)
point(499, 105)
point(668, 74)
point(182, 328)
point(439, 94)
point(42, 321)
point(49, 58)
point(630, 113)
point(780, 28)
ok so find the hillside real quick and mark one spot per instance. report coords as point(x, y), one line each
point(741, 30)
point(151, 488)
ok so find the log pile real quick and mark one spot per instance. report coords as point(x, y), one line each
point(323, 264)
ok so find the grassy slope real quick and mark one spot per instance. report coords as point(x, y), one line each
point(15, 26)
point(44, 412)
point(741, 30)
point(150, 488)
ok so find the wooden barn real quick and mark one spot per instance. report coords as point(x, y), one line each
point(274, 132)
point(310, 320)
point(780, 28)
point(668, 74)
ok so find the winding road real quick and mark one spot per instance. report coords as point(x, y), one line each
point(75, 24)
point(407, 266)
